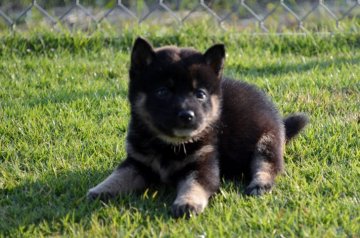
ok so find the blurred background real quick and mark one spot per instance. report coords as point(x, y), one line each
point(281, 16)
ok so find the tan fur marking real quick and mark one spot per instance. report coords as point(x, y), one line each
point(262, 172)
point(205, 150)
point(215, 113)
point(192, 193)
point(150, 161)
point(153, 161)
point(137, 155)
point(262, 169)
point(140, 106)
point(123, 180)
point(264, 141)
point(195, 83)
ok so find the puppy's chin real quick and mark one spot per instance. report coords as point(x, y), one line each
point(177, 139)
point(179, 136)
point(185, 133)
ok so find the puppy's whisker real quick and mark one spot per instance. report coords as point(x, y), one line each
point(183, 144)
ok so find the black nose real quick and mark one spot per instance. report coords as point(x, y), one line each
point(186, 116)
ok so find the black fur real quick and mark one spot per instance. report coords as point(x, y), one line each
point(189, 126)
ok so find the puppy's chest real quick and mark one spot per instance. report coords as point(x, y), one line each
point(166, 171)
point(167, 163)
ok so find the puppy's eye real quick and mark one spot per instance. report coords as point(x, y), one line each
point(162, 92)
point(200, 94)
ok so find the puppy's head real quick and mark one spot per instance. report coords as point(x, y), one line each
point(175, 92)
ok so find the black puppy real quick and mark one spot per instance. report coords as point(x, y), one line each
point(189, 126)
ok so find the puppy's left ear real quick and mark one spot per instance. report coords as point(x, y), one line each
point(215, 58)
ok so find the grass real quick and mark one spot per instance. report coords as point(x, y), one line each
point(63, 120)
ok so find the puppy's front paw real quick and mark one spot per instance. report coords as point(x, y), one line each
point(93, 194)
point(258, 189)
point(186, 210)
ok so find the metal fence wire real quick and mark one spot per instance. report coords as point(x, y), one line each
point(239, 15)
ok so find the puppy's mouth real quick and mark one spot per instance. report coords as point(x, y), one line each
point(184, 133)
point(180, 136)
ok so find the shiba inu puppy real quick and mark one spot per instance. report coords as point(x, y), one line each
point(190, 126)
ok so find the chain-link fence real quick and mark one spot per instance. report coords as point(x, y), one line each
point(238, 15)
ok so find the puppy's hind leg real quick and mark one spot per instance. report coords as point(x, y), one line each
point(125, 179)
point(266, 163)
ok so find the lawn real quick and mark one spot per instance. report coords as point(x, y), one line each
point(63, 120)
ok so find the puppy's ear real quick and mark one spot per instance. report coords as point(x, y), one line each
point(142, 54)
point(215, 57)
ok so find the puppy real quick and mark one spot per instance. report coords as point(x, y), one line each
point(190, 126)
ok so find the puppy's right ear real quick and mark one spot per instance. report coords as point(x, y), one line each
point(215, 57)
point(142, 54)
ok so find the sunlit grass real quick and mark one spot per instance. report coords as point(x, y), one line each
point(63, 120)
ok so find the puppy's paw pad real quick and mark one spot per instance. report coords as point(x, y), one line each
point(258, 189)
point(186, 210)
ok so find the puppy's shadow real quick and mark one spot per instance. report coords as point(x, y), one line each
point(56, 197)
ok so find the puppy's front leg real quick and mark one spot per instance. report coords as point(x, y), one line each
point(193, 193)
point(125, 179)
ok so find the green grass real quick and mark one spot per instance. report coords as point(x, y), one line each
point(63, 120)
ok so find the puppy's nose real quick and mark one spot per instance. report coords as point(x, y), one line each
point(186, 116)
